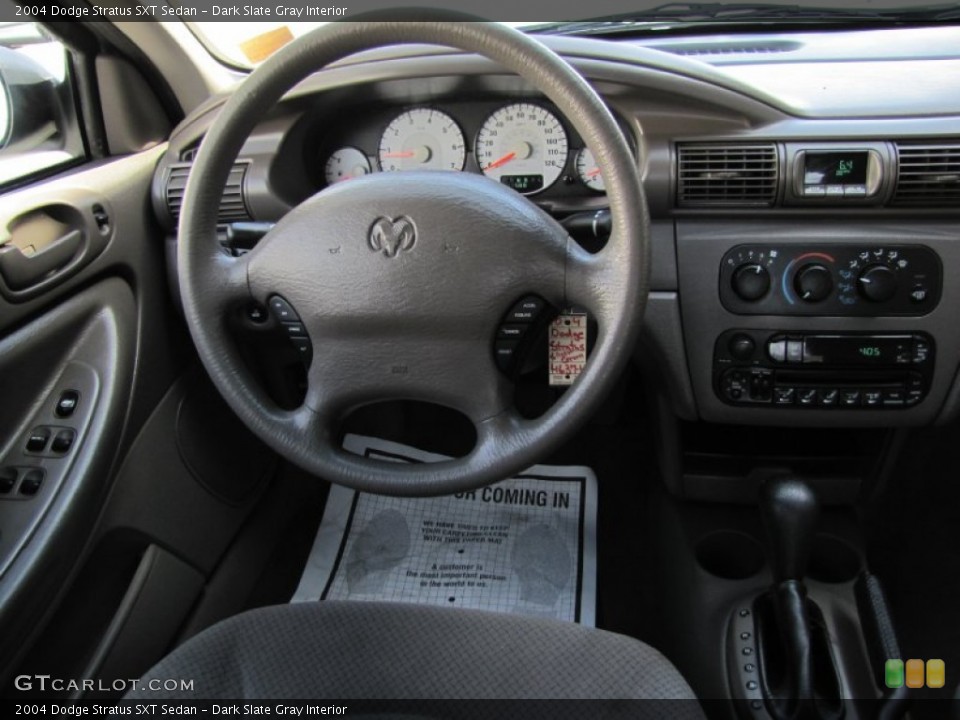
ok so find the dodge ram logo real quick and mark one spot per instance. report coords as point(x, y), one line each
point(392, 237)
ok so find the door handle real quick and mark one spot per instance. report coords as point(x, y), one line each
point(22, 271)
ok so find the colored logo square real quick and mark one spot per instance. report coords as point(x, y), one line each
point(936, 673)
point(915, 673)
point(893, 673)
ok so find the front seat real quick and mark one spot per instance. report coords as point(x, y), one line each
point(372, 650)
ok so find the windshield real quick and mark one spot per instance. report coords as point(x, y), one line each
point(245, 44)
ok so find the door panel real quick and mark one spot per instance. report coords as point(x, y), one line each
point(89, 344)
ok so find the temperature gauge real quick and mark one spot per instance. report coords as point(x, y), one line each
point(345, 164)
point(588, 171)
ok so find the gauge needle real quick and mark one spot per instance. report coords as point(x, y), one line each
point(594, 172)
point(401, 154)
point(501, 161)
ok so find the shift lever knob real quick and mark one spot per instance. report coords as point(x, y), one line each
point(789, 511)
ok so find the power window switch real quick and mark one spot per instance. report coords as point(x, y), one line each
point(67, 403)
point(37, 442)
point(32, 479)
point(8, 478)
point(63, 441)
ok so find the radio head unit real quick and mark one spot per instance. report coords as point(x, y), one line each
point(823, 370)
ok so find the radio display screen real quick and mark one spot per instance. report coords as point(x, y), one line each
point(835, 168)
point(859, 351)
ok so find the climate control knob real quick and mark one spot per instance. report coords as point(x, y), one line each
point(813, 282)
point(751, 282)
point(877, 283)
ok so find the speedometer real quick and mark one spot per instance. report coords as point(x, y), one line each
point(523, 146)
point(422, 139)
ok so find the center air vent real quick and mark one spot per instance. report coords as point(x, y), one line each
point(928, 175)
point(727, 174)
point(233, 206)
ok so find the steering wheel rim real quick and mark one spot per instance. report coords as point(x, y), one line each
point(612, 284)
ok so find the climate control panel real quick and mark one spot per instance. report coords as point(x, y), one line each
point(823, 370)
point(853, 280)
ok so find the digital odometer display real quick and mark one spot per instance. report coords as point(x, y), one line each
point(523, 183)
point(835, 168)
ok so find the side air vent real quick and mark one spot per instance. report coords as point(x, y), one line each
point(727, 174)
point(233, 206)
point(928, 175)
point(190, 154)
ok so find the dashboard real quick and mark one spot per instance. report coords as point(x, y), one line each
point(802, 249)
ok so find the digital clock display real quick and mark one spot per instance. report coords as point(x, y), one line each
point(835, 168)
point(523, 183)
point(838, 350)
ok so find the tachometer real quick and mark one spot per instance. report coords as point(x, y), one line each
point(523, 146)
point(422, 139)
point(345, 164)
point(588, 171)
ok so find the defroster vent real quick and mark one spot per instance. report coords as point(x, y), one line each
point(735, 174)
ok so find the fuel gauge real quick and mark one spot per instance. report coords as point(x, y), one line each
point(345, 164)
point(588, 171)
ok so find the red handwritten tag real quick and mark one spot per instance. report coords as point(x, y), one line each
point(568, 347)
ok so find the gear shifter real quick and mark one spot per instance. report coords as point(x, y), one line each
point(789, 511)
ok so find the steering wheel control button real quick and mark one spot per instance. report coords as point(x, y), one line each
point(505, 353)
point(303, 346)
point(63, 441)
point(512, 332)
point(282, 310)
point(69, 399)
point(256, 313)
point(294, 329)
point(8, 478)
point(37, 442)
point(526, 311)
point(32, 479)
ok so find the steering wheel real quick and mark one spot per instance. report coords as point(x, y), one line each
point(401, 279)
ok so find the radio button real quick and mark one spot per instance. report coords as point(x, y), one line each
point(855, 190)
point(815, 190)
point(784, 395)
point(872, 398)
point(894, 397)
point(921, 350)
point(835, 190)
point(795, 351)
point(829, 397)
point(761, 386)
point(777, 350)
point(914, 396)
point(850, 398)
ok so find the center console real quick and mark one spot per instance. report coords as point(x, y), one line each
point(820, 321)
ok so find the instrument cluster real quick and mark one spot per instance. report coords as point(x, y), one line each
point(523, 145)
